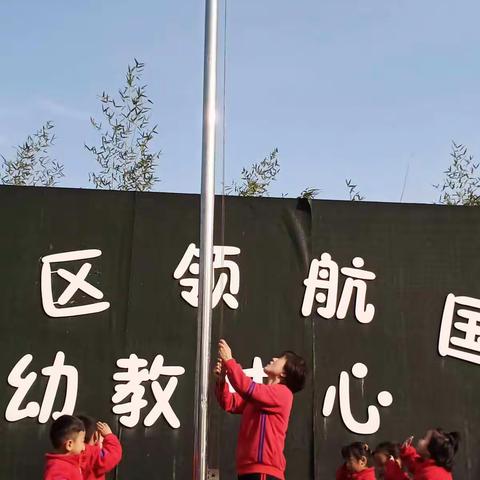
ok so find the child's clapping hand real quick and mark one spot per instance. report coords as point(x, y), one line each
point(103, 429)
point(408, 442)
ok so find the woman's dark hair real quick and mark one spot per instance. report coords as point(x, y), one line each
point(388, 448)
point(295, 371)
point(357, 450)
point(442, 448)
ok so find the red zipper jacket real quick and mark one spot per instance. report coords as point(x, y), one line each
point(423, 469)
point(97, 461)
point(392, 471)
point(344, 474)
point(91, 464)
point(62, 467)
point(265, 411)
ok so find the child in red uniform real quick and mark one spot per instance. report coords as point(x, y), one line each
point(67, 434)
point(265, 411)
point(355, 466)
point(388, 464)
point(73, 460)
point(99, 437)
point(433, 458)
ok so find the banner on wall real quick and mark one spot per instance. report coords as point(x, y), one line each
point(98, 303)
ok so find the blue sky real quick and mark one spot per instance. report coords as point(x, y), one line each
point(360, 89)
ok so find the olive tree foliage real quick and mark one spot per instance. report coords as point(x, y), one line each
point(309, 193)
point(353, 192)
point(125, 155)
point(256, 180)
point(461, 182)
point(32, 165)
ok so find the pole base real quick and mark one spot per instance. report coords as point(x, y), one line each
point(213, 474)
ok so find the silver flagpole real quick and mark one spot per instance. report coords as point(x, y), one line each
point(204, 318)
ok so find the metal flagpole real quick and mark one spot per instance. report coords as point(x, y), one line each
point(204, 318)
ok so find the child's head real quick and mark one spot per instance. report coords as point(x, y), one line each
point(384, 451)
point(440, 446)
point(356, 456)
point(67, 434)
point(290, 369)
point(91, 435)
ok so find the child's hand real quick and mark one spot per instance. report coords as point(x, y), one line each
point(97, 439)
point(408, 442)
point(224, 351)
point(103, 429)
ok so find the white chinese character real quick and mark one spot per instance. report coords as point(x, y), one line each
point(75, 282)
point(23, 384)
point(132, 388)
point(466, 344)
point(187, 264)
point(356, 279)
point(256, 373)
point(323, 275)
point(384, 398)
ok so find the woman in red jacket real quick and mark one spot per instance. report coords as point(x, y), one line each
point(265, 411)
point(356, 467)
point(433, 458)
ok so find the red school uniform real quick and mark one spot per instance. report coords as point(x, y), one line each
point(394, 472)
point(423, 469)
point(62, 467)
point(344, 474)
point(265, 411)
point(91, 464)
point(97, 461)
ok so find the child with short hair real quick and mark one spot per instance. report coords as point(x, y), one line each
point(355, 466)
point(106, 450)
point(72, 459)
point(433, 457)
point(67, 435)
point(92, 437)
point(388, 464)
point(265, 410)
